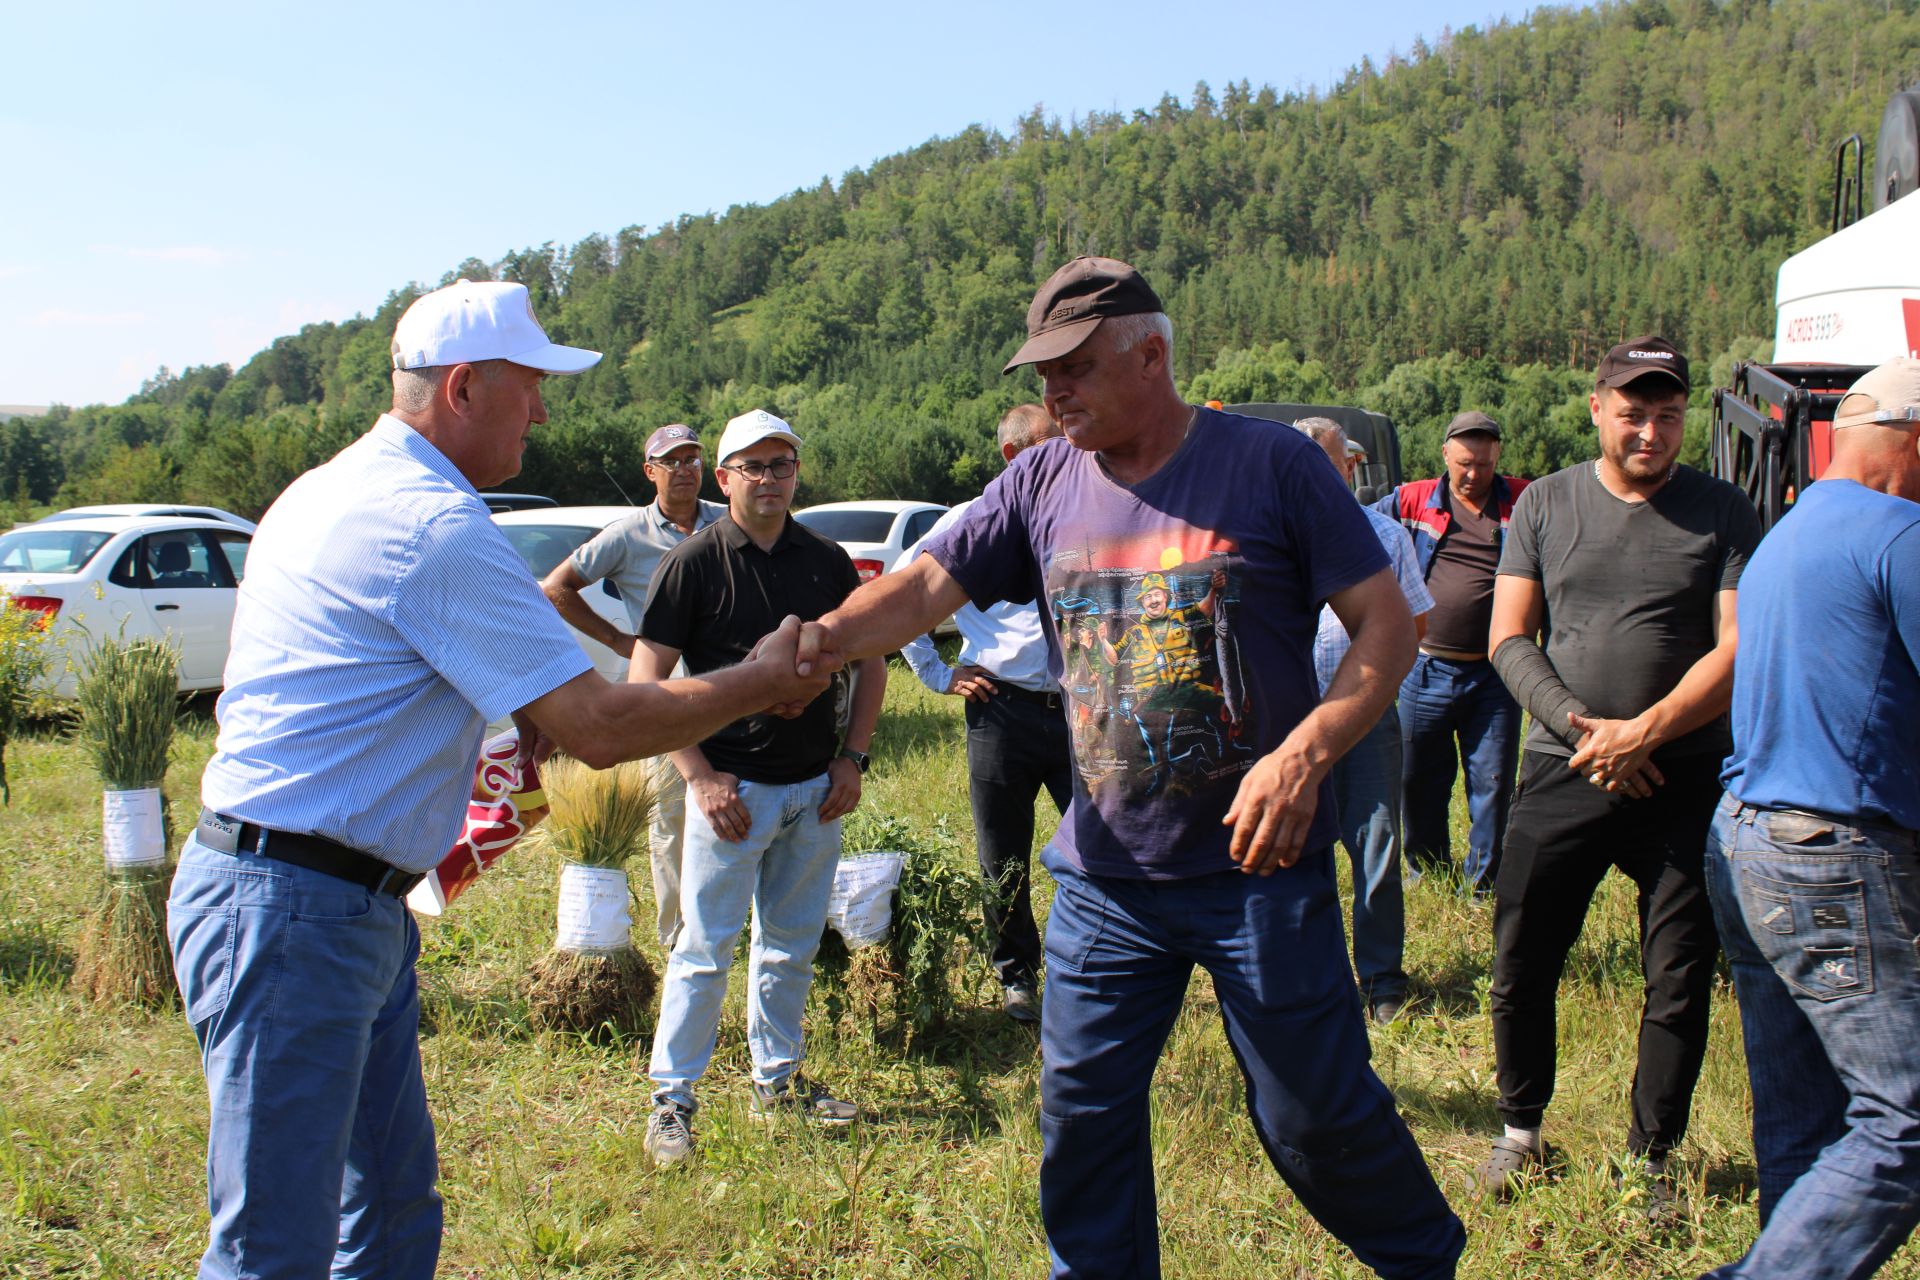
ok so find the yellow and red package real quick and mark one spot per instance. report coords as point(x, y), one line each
point(507, 803)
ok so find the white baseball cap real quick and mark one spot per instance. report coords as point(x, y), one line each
point(750, 428)
point(1887, 394)
point(470, 321)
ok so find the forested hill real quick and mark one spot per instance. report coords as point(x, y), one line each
point(1470, 224)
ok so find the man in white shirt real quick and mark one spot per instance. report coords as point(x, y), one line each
point(1016, 742)
point(383, 621)
point(1366, 781)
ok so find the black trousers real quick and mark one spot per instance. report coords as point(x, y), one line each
point(1563, 835)
point(1015, 746)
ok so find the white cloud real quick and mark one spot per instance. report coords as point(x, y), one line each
point(56, 318)
point(13, 270)
point(197, 255)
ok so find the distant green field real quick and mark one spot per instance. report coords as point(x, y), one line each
point(103, 1118)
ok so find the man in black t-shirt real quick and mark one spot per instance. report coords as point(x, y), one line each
point(1630, 564)
point(765, 794)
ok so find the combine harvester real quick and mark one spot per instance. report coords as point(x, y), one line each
point(1850, 302)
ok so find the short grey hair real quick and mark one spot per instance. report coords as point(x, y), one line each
point(414, 389)
point(1320, 430)
point(1025, 426)
point(1128, 331)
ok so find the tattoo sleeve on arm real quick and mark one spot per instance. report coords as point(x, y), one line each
point(1535, 685)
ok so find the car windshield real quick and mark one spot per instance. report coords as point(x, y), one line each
point(40, 550)
point(544, 546)
point(848, 526)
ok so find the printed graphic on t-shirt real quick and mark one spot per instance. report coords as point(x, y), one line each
point(1157, 703)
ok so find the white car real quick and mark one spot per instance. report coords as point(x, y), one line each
point(875, 534)
point(544, 536)
point(131, 578)
point(137, 509)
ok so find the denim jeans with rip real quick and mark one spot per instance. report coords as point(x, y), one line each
point(1818, 917)
point(783, 870)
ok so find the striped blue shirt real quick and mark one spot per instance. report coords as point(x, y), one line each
point(1331, 642)
point(383, 621)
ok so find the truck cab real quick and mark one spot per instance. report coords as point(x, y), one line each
point(1844, 305)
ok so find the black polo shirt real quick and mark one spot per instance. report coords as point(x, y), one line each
point(714, 596)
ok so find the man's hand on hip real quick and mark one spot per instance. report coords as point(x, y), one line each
point(972, 683)
point(843, 795)
point(718, 796)
point(1271, 812)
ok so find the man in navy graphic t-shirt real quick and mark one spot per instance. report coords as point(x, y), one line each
point(1183, 556)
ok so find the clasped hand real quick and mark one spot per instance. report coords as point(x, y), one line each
point(1615, 755)
point(803, 670)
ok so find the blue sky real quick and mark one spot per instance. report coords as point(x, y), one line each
point(185, 182)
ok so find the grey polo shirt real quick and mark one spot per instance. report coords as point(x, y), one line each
point(629, 550)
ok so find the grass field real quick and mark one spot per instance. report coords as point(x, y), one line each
point(103, 1117)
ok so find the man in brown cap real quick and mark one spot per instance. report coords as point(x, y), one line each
point(1813, 863)
point(1453, 694)
point(1210, 844)
point(1635, 558)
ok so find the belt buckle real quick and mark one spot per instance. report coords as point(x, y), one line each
point(397, 882)
point(217, 832)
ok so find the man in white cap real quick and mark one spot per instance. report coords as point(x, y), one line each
point(626, 553)
point(383, 621)
point(1813, 863)
point(765, 793)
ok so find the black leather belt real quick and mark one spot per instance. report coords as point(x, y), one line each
point(1049, 700)
point(230, 835)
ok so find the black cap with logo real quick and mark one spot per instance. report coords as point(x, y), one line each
point(1073, 302)
point(1638, 357)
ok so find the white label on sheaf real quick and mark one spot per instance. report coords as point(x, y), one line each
point(130, 824)
point(860, 907)
point(592, 914)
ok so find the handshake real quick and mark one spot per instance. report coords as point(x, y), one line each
point(799, 660)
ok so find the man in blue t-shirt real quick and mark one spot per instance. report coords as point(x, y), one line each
point(1190, 552)
point(1811, 862)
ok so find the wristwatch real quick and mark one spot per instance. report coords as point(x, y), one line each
point(859, 758)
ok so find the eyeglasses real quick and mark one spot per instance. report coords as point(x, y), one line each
point(676, 464)
point(779, 469)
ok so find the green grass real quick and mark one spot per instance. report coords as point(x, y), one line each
point(103, 1118)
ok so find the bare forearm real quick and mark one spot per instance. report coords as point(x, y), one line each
point(572, 606)
point(690, 763)
point(886, 613)
point(869, 692)
point(633, 721)
point(1704, 692)
point(1363, 687)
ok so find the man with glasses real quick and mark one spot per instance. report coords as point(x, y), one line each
point(627, 552)
point(767, 792)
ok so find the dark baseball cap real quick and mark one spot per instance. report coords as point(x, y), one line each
point(1466, 424)
point(669, 438)
point(1638, 357)
point(1073, 302)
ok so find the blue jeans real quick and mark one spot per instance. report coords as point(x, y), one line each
point(300, 988)
point(1818, 918)
point(784, 870)
point(1119, 955)
point(1442, 702)
point(1366, 791)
